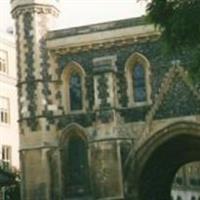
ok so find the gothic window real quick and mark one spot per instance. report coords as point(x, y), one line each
point(77, 179)
point(73, 88)
point(139, 85)
point(6, 156)
point(75, 92)
point(137, 69)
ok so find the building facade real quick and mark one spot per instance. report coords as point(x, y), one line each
point(8, 101)
point(87, 96)
point(9, 138)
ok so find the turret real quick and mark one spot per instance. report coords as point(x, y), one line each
point(33, 19)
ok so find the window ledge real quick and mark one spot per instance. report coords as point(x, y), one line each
point(140, 104)
point(75, 112)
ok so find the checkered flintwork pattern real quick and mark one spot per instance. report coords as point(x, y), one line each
point(31, 84)
point(176, 72)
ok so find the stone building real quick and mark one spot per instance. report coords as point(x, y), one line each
point(90, 95)
point(9, 138)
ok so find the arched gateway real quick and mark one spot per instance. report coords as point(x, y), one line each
point(151, 170)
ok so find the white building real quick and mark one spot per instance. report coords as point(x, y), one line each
point(187, 182)
point(8, 102)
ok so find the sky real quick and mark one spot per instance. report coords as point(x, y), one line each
point(82, 12)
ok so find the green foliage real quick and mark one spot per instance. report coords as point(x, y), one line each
point(179, 22)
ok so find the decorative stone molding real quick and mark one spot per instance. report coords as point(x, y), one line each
point(104, 64)
point(19, 84)
point(119, 42)
point(72, 129)
point(83, 119)
point(39, 9)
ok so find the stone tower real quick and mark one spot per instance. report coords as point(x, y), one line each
point(33, 19)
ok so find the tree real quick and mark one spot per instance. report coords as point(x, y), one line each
point(179, 23)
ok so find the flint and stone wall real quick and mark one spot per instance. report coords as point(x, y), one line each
point(110, 125)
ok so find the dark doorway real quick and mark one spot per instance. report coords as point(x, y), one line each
point(75, 167)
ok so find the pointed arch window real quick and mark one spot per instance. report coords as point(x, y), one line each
point(139, 83)
point(137, 69)
point(75, 91)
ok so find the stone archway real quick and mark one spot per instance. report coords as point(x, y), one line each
point(154, 165)
point(74, 162)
